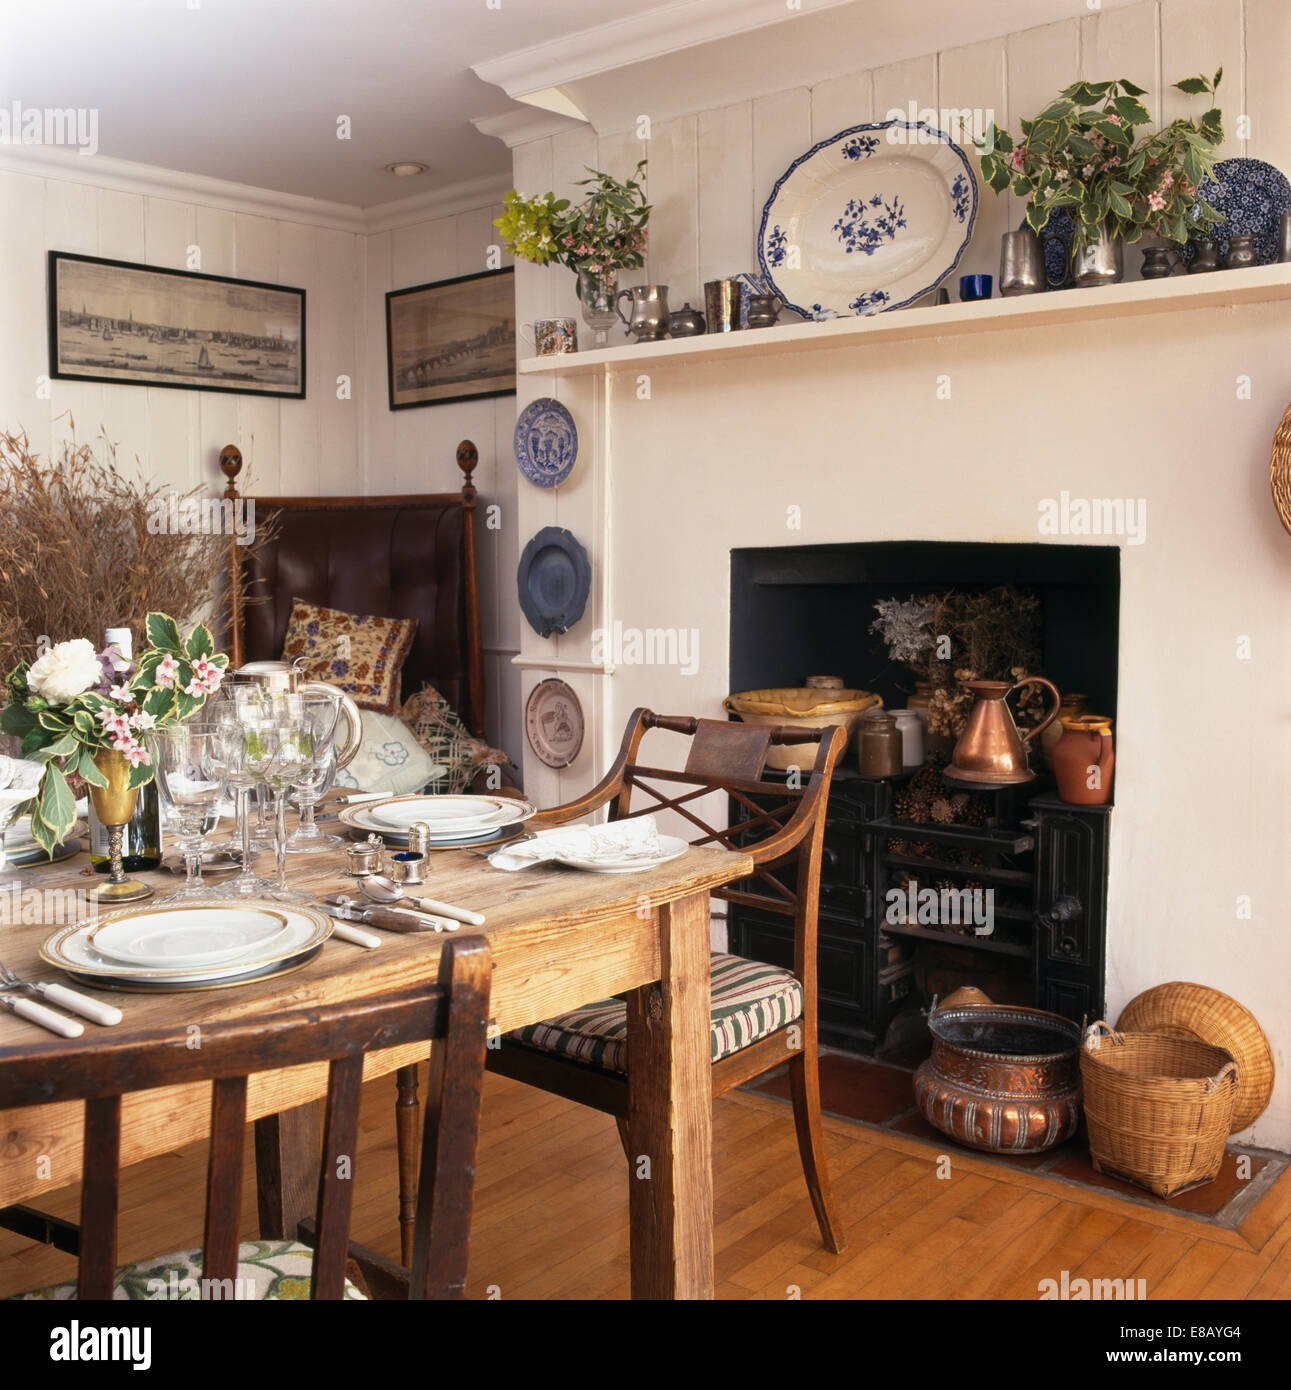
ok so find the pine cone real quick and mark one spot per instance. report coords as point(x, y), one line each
point(942, 811)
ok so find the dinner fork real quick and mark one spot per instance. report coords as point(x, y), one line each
point(65, 998)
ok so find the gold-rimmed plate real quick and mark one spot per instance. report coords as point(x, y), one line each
point(270, 972)
point(69, 949)
point(175, 935)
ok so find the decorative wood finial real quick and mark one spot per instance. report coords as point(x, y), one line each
point(231, 466)
point(468, 459)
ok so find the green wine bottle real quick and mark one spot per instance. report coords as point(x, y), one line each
point(141, 841)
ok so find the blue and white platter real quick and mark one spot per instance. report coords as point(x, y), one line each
point(1251, 196)
point(546, 442)
point(871, 219)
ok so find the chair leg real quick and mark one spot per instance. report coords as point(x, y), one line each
point(406, 1113)
point(804, 1088)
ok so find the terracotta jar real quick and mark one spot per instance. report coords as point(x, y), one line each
point(1071, 706)
point(1083, 759)
point(879, 745)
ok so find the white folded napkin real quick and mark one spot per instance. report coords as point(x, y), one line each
point(625, 839)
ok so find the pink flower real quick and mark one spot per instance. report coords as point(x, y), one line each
point(1167, 178)
point(1115, 120)
point(206, 678)
point(1155, 201)
point(122, 693)
point(1113, 162)
point(114, 722)
point(1018, 158)
point(166, 672)
point(133, 751)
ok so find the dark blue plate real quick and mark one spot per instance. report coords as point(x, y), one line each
point(1056, 241)
point(554, 579)
point(546, 442)
point(1251, 196)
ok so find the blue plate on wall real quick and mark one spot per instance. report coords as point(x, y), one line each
point(546, 442)
point(1251, 196)
point(554, 579)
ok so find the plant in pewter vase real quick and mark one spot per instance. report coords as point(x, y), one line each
point(80, 713)
point(596, 238)
point(1084, 153)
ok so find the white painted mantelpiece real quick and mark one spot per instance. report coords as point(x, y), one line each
point(688, 453)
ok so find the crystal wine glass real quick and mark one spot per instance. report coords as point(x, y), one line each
point(242, 781)
point(278, 746)
point(193, 773)
point(323, 709)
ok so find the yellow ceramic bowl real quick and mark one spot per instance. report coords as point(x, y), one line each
point(804, 706)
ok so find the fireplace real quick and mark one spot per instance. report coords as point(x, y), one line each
point(1037, 863)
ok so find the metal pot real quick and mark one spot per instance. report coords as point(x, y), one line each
point(1001, 1078)
point(1100, 262)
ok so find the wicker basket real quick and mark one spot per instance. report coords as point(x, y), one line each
point(1196, 1011)
point(1280, 470)
point(1157, 1108)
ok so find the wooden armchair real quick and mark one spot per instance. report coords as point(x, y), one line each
point(454, 1012)
point(762, 1016)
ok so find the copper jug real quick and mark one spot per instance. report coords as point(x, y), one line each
point(991, 749)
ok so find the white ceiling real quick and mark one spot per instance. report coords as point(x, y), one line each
point(251, 90)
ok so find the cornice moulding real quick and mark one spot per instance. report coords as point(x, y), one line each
point(123, 176)
point(522, 126)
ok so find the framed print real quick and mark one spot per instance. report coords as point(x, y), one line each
point(143, 326)
point(454, 340)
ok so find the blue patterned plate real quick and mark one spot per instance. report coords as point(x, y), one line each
point(1251, 196)
point(1059, 232)
point(868, 220)
point(546, 442)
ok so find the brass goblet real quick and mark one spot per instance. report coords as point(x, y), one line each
point(114, 805)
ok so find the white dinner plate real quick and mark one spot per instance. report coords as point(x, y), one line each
point(447, 815)
point(363, 816)
point(673, 848)
point(240, 977)
point(179, 934)
point(69, 949)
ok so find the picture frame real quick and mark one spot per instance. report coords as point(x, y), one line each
point(129, 324)
point(451, 340)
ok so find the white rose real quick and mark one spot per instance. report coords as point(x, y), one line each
point(66, 670)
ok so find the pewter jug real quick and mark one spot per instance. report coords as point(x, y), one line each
point(991, 749)
point(648, 320)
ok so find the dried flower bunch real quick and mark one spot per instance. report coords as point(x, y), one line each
point(78, 555)
point(1083, 152)
point(602, 235)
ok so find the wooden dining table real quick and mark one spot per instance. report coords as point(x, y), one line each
point(559, 937)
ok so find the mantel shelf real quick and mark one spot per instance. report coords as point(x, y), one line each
point(1215, 290)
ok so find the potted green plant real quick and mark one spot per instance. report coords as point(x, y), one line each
point(597, 238)
point(1085, 151)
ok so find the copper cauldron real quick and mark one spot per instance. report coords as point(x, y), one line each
point(1001, 1078)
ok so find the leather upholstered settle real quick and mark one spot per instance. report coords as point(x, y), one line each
point(403, 560)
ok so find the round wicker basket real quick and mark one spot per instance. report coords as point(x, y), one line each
point(1181, 1010)
point(1157, 1108)
point(1280, 470)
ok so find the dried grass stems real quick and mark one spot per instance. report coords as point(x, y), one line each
point(78, 555)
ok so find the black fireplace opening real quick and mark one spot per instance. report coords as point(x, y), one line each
point(799, 611)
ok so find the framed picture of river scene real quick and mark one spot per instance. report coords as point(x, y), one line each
point(140, 325)
point(454, 340)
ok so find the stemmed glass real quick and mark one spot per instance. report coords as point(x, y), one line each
point(278, 743)
point(323, 710)
point(242, 780)
point(193, 773)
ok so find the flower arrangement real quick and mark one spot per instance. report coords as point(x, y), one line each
point(602, 235)
point(948, 638)
point(73, 703)
point(1083, 151)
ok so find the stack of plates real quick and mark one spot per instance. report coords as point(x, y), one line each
point(22, 847)
point(203, 945)
point(453, 820)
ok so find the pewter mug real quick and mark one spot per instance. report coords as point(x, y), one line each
point(649, 318)
point(1284, 238)
point(1021, 263)
point(722, 301)
point(1100, 262)
point(1241, 251)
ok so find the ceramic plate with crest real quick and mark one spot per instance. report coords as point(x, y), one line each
point(869, 220)
point(546, 442)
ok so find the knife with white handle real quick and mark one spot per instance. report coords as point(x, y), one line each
point(47, 1018)
point(81, 1004)
point(354, 935)
point(458, 914)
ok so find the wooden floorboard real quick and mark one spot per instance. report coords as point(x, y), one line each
point(551, 1215)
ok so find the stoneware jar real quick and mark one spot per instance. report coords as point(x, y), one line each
point(1083, 760)
point(911, 727)
point(879, 745)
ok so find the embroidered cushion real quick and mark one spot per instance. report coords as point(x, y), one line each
point(360, 653)
point(389, 759)
point(438, 727)
point(750, 1000)
point(267, 1269)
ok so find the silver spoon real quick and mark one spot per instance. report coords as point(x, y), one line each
point(385, 890)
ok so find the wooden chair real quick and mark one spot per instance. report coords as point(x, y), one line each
point(454, 1012)
point(762, 1015)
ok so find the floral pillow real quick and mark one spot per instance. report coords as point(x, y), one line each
point(361, 654)
point(438, 728)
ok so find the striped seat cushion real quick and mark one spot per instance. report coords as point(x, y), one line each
point(750, 1000)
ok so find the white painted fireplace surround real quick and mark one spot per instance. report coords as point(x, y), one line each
point(963, 437)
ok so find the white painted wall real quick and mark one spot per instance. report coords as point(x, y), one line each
point(323, 445)
point(667, 486)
